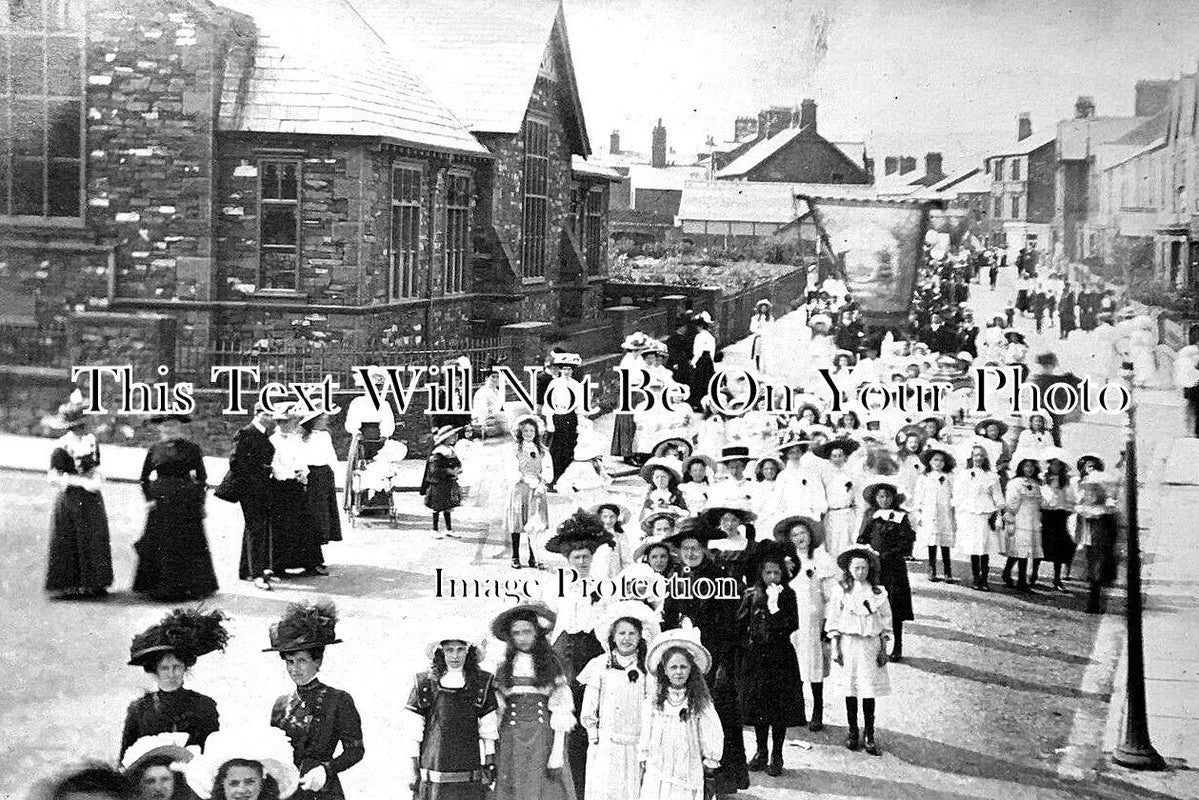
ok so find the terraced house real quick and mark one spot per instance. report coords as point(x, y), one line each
point(185, 182)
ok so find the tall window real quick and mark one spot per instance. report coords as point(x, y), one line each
point(999, 169)
point(1015, 169)
point(595, 230)
point(1015, 206)
point(998, 208)
point(457, 234)
point(536, 196)
point(41, 108)
point(405, 229)
point(279, 224)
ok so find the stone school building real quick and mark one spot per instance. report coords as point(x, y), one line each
point(308, 183)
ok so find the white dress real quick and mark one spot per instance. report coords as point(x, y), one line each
point(675, 749)
point(814, 585)
point(840, 530)
point(696, 495)
point(976, 495)
point(934, 510)
point(802, 491)
point(1024, 532)
point(611, 709)
point(862, 618)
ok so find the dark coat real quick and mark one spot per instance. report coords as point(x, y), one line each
point(251, 460)
point(317, 718)
point(893, 542)
point(180, 711)
point(768, 681)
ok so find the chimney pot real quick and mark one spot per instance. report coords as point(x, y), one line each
point(1084, 107)
point(1023, 126)
point(932, 165)
point(907, 164)
point(807, 114)
point(890, 165)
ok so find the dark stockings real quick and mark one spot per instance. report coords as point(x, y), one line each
point(897, 634)
point(1022, 571)
point(851, 715)
point(448, 525)
point(932, 562)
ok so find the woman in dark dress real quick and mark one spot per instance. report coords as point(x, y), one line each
point(315, 717)
point(1067, 319)
point(321, 489)
point(715, 618)
point(293, 536)
point(173, 559)
point(80, 558)
point(887, 530)
point(167, 650)
point(768, 679)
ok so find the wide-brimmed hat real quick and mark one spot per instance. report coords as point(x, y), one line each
point(267, 745)
point(693, 528)
point(188, 633)
point(860, 552)
point(1014, 336)
point(678, 443)
point(980, 428)
point(712, 514)
point(567, 360)
point(778, 464)
point(1094, 458)
point(454, 629)
point(535, 419)
point(845, 445)
point(673, 466)
point(159, 419)
point(869, 493)
point(763, 302)
point(938, 421)
point(703, 317)
point(823, 430)
point(656, 346)
point(581, 530)
point(635, 341)
point(622, 512)
point(735, 452)
point(815, 529)
point(305, 625)
point(647, 524)
point(1045, 415)
point(911, 429)
point(539, 614)
point(69, 415)
point(444, 433)
point(168, 745)
point(685, 638)
point(926, 458)
point(793, 440)
point(646, 545)
point(706, 460)
point(638, 610)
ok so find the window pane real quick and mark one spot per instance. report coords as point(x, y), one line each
point(25, 13)
point(62, 62)
point(28, 71)
point(279, 225)
point(287, 183)
point(278, 269)
point(29, 128)
point(27, 188)
point(63, 197)
point(64, 139)
point(269, 180)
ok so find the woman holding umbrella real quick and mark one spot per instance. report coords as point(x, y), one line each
point(317, 718)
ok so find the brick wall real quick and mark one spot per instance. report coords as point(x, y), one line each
point(1042, 179)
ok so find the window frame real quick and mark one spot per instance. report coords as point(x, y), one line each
point(535, 206)
point(593, 215)
point(1015, 206)
point(998, 207)
point(1014, 169)
point(395, 270)
point(454, 274)
point(297, 203)
point(71, 27)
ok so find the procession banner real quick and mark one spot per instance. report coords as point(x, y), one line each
point(878, 245)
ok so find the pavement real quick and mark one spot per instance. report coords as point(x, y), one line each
point(1001, 695)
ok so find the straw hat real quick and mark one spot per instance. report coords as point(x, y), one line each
point(860, 552)
point(539, 614)
point(686, 638)
point(673, 466)
point(713, 514)
point(647, 524)
point(628, 609)
point(764, 302)
point(694, 528)
point(635, 341)
point(444, 433)
point(980, 429)
point(871, 491)
point(847, 446)
point(454, 629)
point(267, 745)
point(706, 460)
point(171, 745)
point(734, 453)
point(1094, 458)
point(648, 544)
point(815, 529)
point(793, 440)
point(680, 444)
point(926, 458)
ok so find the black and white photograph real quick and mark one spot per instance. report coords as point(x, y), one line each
point(599, 399)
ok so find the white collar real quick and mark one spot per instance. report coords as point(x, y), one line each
point(453, 679)
point(892, 514)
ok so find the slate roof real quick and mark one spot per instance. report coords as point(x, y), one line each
point(480, 56)
point(1078, 138)
point(759, 153)
point(972, 181)
point(644, 176)
point(320, 69)
point(758, 201)
point(1150, 130)
point(1024, 147)
point(581, 166)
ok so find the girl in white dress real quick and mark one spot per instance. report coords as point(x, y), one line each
point(976, 498)
point(1023, 522)
point(616, 689)
point(1037, 436)
point(814, 577)
point(698, 473)
point(802, 487)
point(933, 506)
point(768, 500)
point(859, 625)
point(681, 735)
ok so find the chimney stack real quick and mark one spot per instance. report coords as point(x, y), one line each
point(745, 128)
point(1023, 126)
point(658, 154)
point(868, 165)
point(890, 165)
point(614, 143)
point(774, 120)
point(1084, 107)
point(932, 165)
point(907, 164)
point(807, 114)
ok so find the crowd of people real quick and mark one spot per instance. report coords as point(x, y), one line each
point(809, 517)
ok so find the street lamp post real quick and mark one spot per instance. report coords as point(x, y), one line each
point(1135, 751)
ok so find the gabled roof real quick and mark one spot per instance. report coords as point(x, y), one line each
point(1023, 147)
point(582, 166)
point(318, 68)
point(757, 201)
point(1156, 144)
point(1078, 138)
point(971, 181)
point(480, 56)
point(1150, 129)
point(759, 153)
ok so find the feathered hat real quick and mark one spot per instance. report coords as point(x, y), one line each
point(305, 625)
point(186, 632)
point(581, 529)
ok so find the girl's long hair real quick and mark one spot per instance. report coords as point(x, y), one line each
point(698, 697)
point(1057, 474)
point(642, 647)
point(981, 461)
point(470, 668)
point(270, 789)
point(547, 669)
point(535, 441)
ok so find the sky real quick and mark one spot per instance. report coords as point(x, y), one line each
point(906, 76)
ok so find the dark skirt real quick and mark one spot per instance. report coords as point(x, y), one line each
point(452, 791)
point(80, 554)
point(893, 574)
point(1056, 544)
point(1022, 300)
point(1101, 553)
point(322, 504)
point(173, 559)
point(701, 376)
point(523, 751)
point(293, 536)
point(576, 650)
point(443, 496)
point(733, 772)
point(624, 428)
point(769, 684)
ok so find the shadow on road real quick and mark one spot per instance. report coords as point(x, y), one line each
point(937, 667)
point(949, 634)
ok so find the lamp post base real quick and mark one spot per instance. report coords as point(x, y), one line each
point(1141, 758)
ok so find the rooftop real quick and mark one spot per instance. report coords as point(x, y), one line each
point(758, 201)
point(1025, 146)
point(1077, 138)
